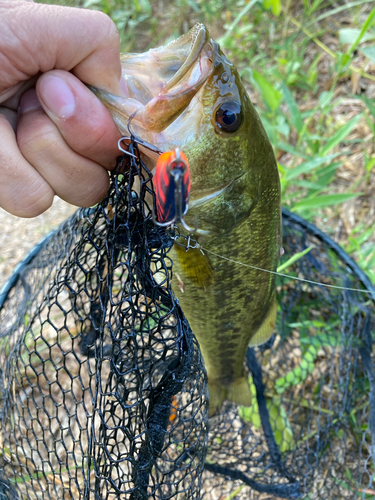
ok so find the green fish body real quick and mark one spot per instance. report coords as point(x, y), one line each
point(187, 94)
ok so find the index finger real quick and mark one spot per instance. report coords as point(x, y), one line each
point(37, 38)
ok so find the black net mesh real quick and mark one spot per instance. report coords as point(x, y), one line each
point(103, 390)
point(309, 433)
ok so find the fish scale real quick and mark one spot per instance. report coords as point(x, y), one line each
point(224, 315)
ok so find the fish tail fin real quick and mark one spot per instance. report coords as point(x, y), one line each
point(237, 392)
point(216, 397)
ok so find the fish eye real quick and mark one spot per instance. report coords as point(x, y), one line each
point(228, 116)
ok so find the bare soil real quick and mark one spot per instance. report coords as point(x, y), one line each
point(18, 236)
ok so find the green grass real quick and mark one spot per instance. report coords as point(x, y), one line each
point(301, 62)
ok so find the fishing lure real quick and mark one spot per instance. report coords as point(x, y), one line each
point(172, 189)
point(171, 182)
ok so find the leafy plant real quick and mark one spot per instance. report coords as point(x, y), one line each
point(278, 48)
point(277, 415)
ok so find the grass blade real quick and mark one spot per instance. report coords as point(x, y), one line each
point(369, 52)
point(364, 29)
point(293, 259)
point(348, 35)
point(339, 9)
point(369, 104)
point(309, 165)
point(270, 95)
point(293, 108)
point(324, 201)
point(340, 135)
point(244, 11)
point(288, 148)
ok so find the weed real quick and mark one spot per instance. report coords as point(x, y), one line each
point(297, 60)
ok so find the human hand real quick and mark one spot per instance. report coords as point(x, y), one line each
point(56, 137)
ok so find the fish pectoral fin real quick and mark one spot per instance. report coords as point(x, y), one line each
point(266, 329)
point(196, 266)
point(237, 392)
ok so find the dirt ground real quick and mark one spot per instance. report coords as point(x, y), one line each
point(18, 236)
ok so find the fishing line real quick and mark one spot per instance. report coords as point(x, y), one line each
point(337, 287)
point(303, 280)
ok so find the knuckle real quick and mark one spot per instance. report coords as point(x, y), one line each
point(36, 139)
point(96, 144)
point(106, 32)
point(96, 191)
point(112, 35)
point(94, 139)
point(30, 201)
point(38, 206)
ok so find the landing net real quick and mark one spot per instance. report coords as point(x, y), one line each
point(103, 391)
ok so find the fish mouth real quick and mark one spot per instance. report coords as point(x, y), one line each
point(174, 74)
point(158, 85)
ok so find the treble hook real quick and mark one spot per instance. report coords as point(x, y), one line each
point(135, 138)
point(140, 141)
point(177, 168)
point(124, 150)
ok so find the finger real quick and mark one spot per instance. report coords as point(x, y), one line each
point(75, 179)
point(15, 94)
point(10, 115)
point(81, 118)
point(85, 42)
point(23, 191)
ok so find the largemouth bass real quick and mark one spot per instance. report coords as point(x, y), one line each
point(187, 94)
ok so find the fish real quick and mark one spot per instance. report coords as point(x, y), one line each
point(188, 95)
